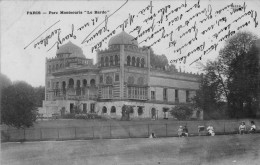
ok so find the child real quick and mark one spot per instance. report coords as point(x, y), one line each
point(242, 128)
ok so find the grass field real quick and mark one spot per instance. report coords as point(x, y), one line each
point(224, 149)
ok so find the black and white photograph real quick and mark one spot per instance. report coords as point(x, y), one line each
point(130, 82)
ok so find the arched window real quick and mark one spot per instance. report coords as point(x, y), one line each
point(106, 61)
point(53, 68)
point(92, 82)
point(60, 66)
point(138, 62)
point(85, 83)
point(133, 61)
point(102, 61)
point(49, 71)
point(113, 109)
point(140, 111)
point(109, 80)
point(104, 109)
point(128, 60)
point(57, 66)
point(63, 85)
point(153, 112)
point(131, 80)
point(111, 60)
point(71, 83)
point(116, 60)
point(140, 81)
point(142, 63)
point(78, 91)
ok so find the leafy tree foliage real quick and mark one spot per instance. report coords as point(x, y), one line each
point(181, 112)
point(239, 64)
point(126, 110)
point(4, 81)
point(18, 105)
point(209, 97)
point(233, 78)
point(39, 95)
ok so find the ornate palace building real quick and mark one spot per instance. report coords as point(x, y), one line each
point(121, 76)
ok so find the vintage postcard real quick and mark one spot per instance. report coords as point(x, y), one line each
point(130, 82)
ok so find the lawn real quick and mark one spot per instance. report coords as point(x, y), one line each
point(224, 149)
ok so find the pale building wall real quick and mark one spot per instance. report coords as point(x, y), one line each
point(171, 95)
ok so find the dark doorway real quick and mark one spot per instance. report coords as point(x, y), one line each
point(71, 108)
point(84, 108)
point(92, 108)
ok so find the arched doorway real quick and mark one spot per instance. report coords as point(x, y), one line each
point(153, 113)
point(113, 110)
point(64, 88)
point(104, 109)
point(71, 83)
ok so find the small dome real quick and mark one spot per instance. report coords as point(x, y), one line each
point(123, 39)
point(72, 49)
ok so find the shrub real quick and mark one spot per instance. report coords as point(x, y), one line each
point(69, 116)
point(181, 112)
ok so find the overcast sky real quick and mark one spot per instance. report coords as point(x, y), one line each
point(21, 61)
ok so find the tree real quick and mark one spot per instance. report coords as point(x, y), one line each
point(181, 112)
point(126, 110)
point(18, 105)
point(232, 79)
point(4, 81)
point(39, 95)
point(239, 64)
point(210, 96)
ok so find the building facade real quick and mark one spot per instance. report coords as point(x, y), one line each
point(121, 76)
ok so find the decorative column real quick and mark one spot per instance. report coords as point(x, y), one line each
point(148, 78)
point(122, 71)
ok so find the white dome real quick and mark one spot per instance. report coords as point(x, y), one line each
point(123, 39)
point(72, 49)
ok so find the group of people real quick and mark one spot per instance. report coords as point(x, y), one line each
point(242, 128)
point(183, 130)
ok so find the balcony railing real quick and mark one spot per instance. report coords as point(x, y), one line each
point(80, 97)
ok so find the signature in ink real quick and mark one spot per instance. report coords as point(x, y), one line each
point(60, 40)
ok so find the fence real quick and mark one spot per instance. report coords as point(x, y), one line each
point(116, 131)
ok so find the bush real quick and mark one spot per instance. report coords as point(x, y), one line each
point(18, 108)
point(69, 116)
point(181, 112)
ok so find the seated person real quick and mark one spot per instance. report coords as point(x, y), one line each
point(242, 128)
point(185, 131)
point(210, 130)
point(152, 135)
point(180, 131)
point(253, 127)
